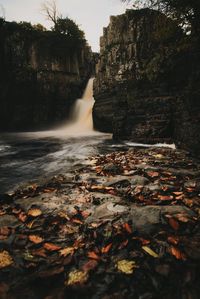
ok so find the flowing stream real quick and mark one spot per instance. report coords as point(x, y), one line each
point(32, 156)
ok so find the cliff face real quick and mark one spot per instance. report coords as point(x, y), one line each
point(41, 75)
point(141, 75)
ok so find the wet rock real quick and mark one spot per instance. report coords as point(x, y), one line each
point(148, 219)
point(117, 181)
point(112, 169)
point(108, 210)
point(139, 180)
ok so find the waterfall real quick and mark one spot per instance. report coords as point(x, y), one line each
point(81, 122)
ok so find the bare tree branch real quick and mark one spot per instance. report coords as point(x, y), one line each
point(49, 8)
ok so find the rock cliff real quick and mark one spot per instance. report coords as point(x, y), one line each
point(41, 75)
point(141, 75)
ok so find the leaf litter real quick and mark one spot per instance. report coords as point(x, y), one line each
point(64, 251)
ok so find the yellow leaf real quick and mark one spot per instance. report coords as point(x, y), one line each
point(5, 259)
point(150, 251)
point(126, 266)
point(66, 251)
point(77, 277)
point(34, 212)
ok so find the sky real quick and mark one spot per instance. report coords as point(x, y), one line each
point(90, 15)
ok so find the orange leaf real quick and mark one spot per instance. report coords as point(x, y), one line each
point(177, 253)
point(127, 228)
point(165, 197)
point(75, 220)
point(51, 247)
point(107, 248)
point(35, 239)
point(173, 223)
point(93, 255)
point(153, 174)
point(173, 240)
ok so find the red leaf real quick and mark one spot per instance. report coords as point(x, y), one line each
point(107, 248)
point(177, 253)
point(173, 223)
point(51, 247)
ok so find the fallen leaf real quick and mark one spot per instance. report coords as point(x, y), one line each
point(66, 251)
point(165, 197)
point(35, 239)
point(182, 218)
point(22, 217)
point(153, 174)
point(34, 212)
point(93, 255)
point(126, 266)
point(77, 221)
point(39, 252)
point(173, 223)
point(150, 251)
point(123, 244)
point(177, 253)
point(49, 190)
point(51, 247)
point(77, 277)
point(173, 240)
point(107, 248)
point(127, 228)
point(90, 265)
point(5, 259)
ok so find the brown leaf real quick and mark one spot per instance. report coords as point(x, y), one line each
point(173, 223)
point(34, 212)
point(77, 221)
point(39, 252)
point(182, 218)
point(123, 244)
point(22, 217)
point(107, 248)
point(93, 255)
point(90, 265)
point(35, 239)
point(177, 253)
point(51, 247)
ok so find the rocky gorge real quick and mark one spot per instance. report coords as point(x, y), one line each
point(42, 73)
point(147, 81)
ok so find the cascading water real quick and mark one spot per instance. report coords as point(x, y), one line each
point(81, 122)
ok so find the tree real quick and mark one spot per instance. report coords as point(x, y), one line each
point(49, 8)
point(69, 28)
point(185, 12)
point(2, 12)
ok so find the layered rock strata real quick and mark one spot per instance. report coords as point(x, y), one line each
point(140, 81)
point(41, 75)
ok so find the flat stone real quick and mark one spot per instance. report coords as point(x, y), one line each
point(139, 180)
point(117, 180)
point(8, 220)
point(150, 218)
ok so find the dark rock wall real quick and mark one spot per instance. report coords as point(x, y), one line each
point(41, 75)
point(141, 78)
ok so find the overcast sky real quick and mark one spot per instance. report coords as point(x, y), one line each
point(91, 15)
